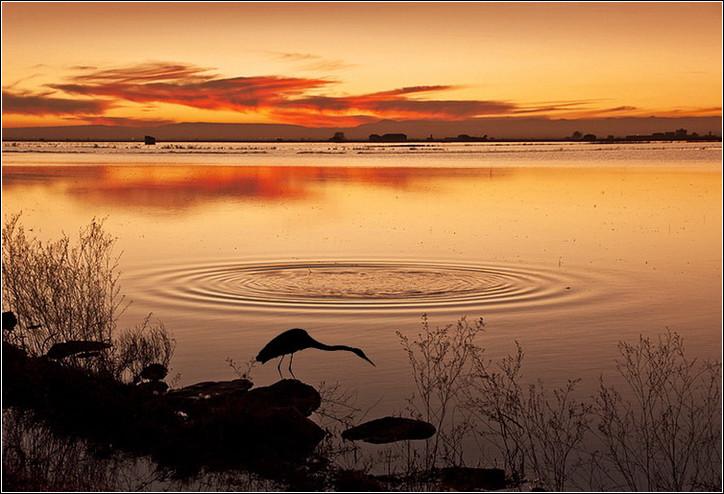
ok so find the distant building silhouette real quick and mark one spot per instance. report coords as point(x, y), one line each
point(388, 138)
point(677, 135)
point(149, 140)
point(338, 137)
point(466, 138)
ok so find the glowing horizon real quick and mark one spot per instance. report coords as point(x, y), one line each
point(348, 64)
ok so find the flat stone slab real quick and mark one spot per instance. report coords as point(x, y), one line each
point(390, 430)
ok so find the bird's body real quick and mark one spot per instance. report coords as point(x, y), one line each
point(295, 340)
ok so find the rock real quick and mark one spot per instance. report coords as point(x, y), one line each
point(81, 348)
point(287, 393)
point(389, 430)
point(222, 433)
point(212, 389)
point(282, 433)
point(154, 387)
point(356, 481)
point(240, 425)
point(469, 479)
point(154, 372)
point(9, 321)
point(12, 355)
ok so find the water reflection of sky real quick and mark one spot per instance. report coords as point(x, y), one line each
point(639, 246)
point(187, 186)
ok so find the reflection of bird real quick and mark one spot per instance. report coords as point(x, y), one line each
point(295, 340)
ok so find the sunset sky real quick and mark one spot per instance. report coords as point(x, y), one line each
point(345, 64)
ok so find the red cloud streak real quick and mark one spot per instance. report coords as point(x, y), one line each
point(286, 99)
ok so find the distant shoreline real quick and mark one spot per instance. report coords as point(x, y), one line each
point(621, 140)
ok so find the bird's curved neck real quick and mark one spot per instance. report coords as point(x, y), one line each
point(330, 348)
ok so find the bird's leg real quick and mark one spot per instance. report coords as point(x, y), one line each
point(291, 358)
point(279, 367)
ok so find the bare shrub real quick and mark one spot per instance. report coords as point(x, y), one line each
point(337, 412)
point(661, 433)
point(338, 406)
point(440, 359)
point(68, 289)
point(242, 370)
point(666, 433)
point(536, 431)
point(138, 347)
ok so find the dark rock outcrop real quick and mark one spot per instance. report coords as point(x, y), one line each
point(154, 387)
point(153, 372)
point(284, 394)
point(210, 390)
point(9, 321)
point(390, 429)
point(207, 425)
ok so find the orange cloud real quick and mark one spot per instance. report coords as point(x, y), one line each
point(294, 100)
point(189, 86)
point(286, 99)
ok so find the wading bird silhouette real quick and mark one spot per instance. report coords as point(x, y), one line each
point(295, 340)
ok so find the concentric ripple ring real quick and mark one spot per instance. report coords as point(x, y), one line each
point(343, 285)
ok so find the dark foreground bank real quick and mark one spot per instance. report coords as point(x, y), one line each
point(209, 427)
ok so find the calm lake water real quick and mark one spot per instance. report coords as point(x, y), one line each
point(566, 248)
